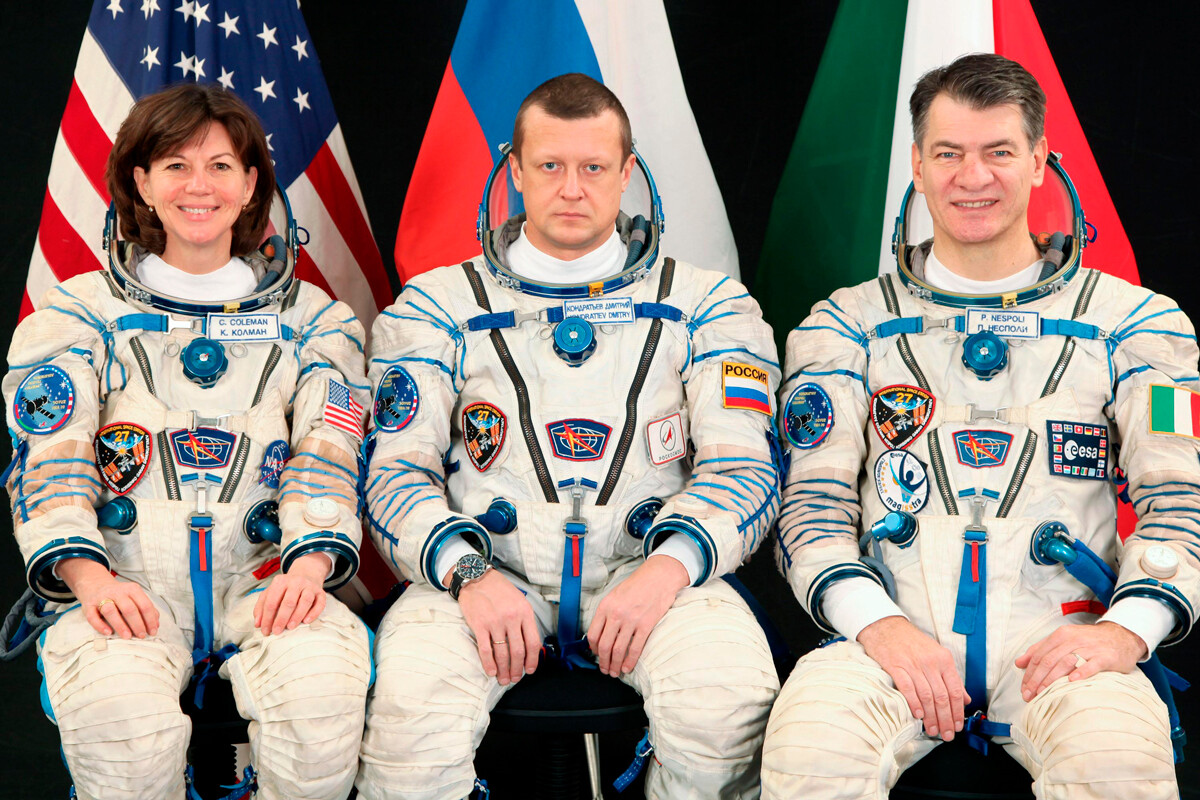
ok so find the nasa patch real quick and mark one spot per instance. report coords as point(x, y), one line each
point(1077, 450)
point(396, 400)
point(122, 455)
point(982, 449)
point(900, 413)
point(203, 448)
point(807, 416)
point(665, 439)
point(274, 460)
point(901, 480)
point(578, 439)
point(484, 427)
point(44, 401)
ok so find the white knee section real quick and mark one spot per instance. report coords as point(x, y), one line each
point(839, 729)
point(708, 681)
point(1103, 737)
point(304, 692)
point(116, 704)
point(429, 708)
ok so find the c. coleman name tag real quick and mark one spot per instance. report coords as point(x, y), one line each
point(601, 310)
point(1005, 323)
point(243, 327)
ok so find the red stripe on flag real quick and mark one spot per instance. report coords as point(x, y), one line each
point(330, 182)
point(66, 253)
point(1019, 37)
point(437, 222)
point(1195, 412)
point(86, 140)
point(26, 306)
point(307, 270)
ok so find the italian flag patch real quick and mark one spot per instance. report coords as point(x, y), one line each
point(1175, 411)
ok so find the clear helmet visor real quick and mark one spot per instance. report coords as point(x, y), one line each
point(1053, 208)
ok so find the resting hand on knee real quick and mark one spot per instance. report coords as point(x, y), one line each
point(1079, 651)
point(505, 629)
point(293, 597)
point(625, 618)
point(109, 604)
point(923, 672)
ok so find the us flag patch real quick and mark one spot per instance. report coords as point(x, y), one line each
point(342, 411)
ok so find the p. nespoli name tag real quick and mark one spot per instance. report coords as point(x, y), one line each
point(601, 310)
point(243, 327)
point(1005, 323)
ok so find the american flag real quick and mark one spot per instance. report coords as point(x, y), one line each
point(342, 411)
point(260, 50)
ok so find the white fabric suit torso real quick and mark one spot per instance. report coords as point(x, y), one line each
point(1096, 377)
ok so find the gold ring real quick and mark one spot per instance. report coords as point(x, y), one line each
point(502, 641)
point(1079, 660)
point(100, 605)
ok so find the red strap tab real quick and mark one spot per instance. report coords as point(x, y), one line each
point(575, 556)
point(975, 562)
point(203, 534)
point(268, 568)
point(1084, 607)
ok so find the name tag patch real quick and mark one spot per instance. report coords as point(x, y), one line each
point(1005, 323)
point(665, 439)
point(243, 327)
point(601, 310)
point(1077, 450)
point(745, 386)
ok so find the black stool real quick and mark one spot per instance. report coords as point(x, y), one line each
point(954, 770)
point(555, 703)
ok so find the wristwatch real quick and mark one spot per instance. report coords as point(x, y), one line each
point(467, 569)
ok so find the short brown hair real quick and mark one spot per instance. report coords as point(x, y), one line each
point(573, 96)
point(160, 124)
point(981, 80)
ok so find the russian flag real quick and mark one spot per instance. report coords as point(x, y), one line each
point(502, 52)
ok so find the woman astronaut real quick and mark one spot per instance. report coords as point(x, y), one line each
point(169, 391)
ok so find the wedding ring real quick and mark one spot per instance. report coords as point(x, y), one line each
point(100, 605)
point(502, 641)
point(1079, 660)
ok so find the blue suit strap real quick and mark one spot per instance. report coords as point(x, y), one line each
point(487, 322)
point(144, 322)
point(898, 326)
point(1071, 327)
point(1090, 570)
point(657, 311)
point(978, 729)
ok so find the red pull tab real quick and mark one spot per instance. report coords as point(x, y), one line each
point(975, 562)
point(575, 556)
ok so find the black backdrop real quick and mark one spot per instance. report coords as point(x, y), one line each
point(747, 67)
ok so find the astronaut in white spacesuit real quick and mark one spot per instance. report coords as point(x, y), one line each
point(210, 404)
point(965, 417)
point(605, 413)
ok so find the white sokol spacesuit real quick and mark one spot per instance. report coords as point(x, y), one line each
point(489, 386)
point(190, 410)
point(986, 417)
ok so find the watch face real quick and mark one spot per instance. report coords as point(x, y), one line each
point(471, 566)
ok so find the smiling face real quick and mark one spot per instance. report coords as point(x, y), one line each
point(570, 173)
point(198, 193)
point(976, 168)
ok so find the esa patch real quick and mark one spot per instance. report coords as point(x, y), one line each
point(665, 439)
point(484, 427)
point(807, 416)
point(902, 481)
point(1077, 450)
point(745, 386)
point(203, 448)
point(274, 460)
point(981, 449)
point(44, 401)
point(396, 400)
point(578, 439)
point(122, 455)
point(900, 413)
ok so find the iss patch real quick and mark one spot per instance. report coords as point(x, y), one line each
point(396, 400)
point(484, 427)
point(578, 439)
point(1077, 450)
point(203, 448)
point(807, 416)
point(902, 481)
point(982, 449)
point(274, 460)
point(122, 455)
point(900, 413)
point(44, 401)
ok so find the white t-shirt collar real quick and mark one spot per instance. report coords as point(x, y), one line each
point(231, 282)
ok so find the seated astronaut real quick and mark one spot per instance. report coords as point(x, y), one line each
point(572, 444)
point(186, 427)
point(967, 416)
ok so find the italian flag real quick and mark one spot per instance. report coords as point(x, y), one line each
point(1174, 410)
point(832, 220)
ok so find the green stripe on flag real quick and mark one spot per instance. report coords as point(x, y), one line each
point(823, 232)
